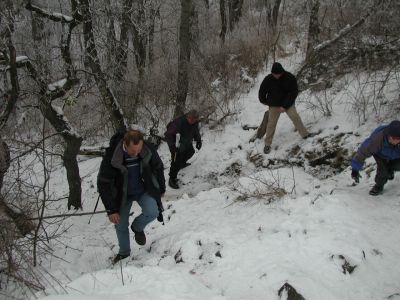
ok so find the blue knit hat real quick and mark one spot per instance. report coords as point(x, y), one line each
point(394, 129)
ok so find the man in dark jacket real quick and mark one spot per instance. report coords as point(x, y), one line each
point(187, 126)
point(134, 172)
point(279, 91)
point(384, 145)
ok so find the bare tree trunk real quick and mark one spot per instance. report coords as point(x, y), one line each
point(153, 15)
point(140, 35)
point(235, 12)
point(313, 28)
point(4, 160)
point(12, 96)
point(53, 115)
point(224, 25)
point(40, 38)
point(272, 32)
point(275, 14)
point(20, 219)
point(110, 102)
point(184, 57)
point(121, 54)
point(61, 125)
point(310, 71)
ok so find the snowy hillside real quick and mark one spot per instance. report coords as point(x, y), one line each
point(227, 237)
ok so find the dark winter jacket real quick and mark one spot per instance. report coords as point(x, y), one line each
point(376, 144)
point(278, 92)
point(187, 132)
point(112, 183)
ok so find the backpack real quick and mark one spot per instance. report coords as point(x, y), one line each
point(106, 161)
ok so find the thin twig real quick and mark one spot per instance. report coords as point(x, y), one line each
point(69, 215)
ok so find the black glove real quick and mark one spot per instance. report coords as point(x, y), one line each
point(160, 217)
point(173, 153)
point(198, 145)
point(356, 176)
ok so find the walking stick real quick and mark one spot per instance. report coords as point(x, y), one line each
point(95, 207)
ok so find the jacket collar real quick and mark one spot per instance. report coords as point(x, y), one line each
point(117, 160)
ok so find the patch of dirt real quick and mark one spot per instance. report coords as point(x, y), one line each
point(329, 155)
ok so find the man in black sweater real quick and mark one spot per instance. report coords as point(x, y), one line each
point(187, 126)
point(279, 91)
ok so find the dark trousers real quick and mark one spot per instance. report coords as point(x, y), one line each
point(385, 169)
point(180, 160)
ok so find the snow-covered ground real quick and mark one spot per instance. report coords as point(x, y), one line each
point(217, 245)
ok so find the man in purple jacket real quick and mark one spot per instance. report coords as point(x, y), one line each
point(384, 145)
point(187, 126)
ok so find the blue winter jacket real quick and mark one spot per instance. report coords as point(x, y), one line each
point(376, 144)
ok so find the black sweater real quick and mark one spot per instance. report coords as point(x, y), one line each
point(278, 92)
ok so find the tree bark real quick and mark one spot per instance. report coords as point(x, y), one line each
point(140, 37)
point(62, 126)
point(235, 12)
point(224, 25)
point(313, 68)
point(121, 54)
point(153, 15)
point(184, 57)
point(12, 95)
point(53, 114)
point(313, 28)
point(275, 14)
point(20, 219)
point(109, 100)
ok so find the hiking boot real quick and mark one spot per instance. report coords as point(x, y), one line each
point(119, 257)
point(267, 149)
point(391, 175)
point(310, 134)
point(173, 183)
point(140, 237)
point(376, 190)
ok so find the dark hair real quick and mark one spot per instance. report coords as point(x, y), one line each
point(194, 113)
point(394, 129)
point(133, 136)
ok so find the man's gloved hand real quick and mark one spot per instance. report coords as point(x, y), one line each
point(198, 145)
point(173, 153)
point(356, 176)
point(160, 217)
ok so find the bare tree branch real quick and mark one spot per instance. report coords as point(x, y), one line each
point(56, 17)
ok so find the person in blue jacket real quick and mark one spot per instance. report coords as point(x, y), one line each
point(384, 145)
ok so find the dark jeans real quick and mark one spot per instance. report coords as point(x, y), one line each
point(180, 160)
point(385, 169)
point(149, 212)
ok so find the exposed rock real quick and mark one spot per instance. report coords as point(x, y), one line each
point(347, 268)
point(287, 292)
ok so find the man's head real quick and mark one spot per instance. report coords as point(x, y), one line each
point(277, 70)
point(133, 142)
point(394, 132)
point(192, 116)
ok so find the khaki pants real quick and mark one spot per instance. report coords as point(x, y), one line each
point(263, 127)
point(272, 121)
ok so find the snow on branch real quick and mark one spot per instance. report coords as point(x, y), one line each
point(57, 17)
point(21, 59)
point(346, 30)
point(57, 85)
